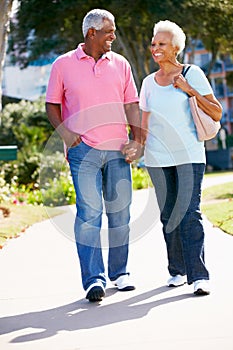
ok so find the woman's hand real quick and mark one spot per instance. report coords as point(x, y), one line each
point(208, 103)
point(181, 83)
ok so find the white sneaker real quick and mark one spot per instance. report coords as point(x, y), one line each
point(201, 287)
point(123, 283)
point(177, 281)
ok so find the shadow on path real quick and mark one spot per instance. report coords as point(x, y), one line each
point(83, 315)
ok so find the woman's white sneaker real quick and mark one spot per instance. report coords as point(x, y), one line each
point(123, 283)
point(176, 281)
point(201, 287)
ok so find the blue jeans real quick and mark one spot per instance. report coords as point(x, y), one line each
point(178, 191)
point(98, 173)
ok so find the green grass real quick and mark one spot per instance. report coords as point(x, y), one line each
point(21, 217)
point(223, 191)
point(217, 206)
point(221, 215)
point(219, 173)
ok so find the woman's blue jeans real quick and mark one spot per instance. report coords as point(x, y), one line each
point(101, 177)
point(178, 191)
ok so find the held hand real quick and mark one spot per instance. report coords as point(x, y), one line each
point(132, 151)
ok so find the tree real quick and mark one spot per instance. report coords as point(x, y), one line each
point(211, 22)
point(5, 11)
point(46, 28)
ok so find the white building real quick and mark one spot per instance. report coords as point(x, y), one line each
point(29, 83)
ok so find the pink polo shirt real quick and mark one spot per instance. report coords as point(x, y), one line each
point(92, 95)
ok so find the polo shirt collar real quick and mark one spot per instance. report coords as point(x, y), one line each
point(81, 54)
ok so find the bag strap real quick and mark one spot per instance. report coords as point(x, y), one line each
point(185, 69)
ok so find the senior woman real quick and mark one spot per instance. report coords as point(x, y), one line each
point(174, 157)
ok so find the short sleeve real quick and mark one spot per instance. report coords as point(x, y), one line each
point(54, 93)
point(130, 92)
point(197, 79)
point(143, 98)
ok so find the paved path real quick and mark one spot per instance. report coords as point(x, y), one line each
point(43, 306)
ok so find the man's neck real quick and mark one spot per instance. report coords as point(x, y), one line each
point(91, 52)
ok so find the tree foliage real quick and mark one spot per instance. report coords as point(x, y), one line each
point(210, 22)
point(46, 28)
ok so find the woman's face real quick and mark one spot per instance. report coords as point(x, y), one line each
point(162, 49)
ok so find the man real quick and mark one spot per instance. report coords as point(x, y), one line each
point(91, 98)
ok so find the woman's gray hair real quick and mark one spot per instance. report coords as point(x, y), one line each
point(95, 19)
point(178, 36)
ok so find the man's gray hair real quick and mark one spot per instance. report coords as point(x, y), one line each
point(178, 36)
point(95, 19)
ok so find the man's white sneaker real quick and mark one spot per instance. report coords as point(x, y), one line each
point(123, 283)
point(201, 287)
point(177, 281)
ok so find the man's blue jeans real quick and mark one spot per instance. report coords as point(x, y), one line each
point(98, 173)
point(178, 191)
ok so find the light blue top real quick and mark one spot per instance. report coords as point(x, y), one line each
point(172, 138)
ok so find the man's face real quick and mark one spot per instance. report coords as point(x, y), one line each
point(105, 37)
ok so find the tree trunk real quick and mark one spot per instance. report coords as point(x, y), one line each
point(5, 11)
point(128, 53)
point(214, 52)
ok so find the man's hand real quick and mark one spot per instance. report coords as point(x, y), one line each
point(70, 138)
point(132, 151)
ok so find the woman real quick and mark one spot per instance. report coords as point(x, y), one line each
point(174, 157)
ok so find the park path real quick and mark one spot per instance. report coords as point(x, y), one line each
point(43, 306)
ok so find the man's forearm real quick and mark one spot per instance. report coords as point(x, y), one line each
point(133, 117)
point(55, 118)
point(54, 114)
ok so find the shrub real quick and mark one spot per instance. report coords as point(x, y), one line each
point(141, 178)
point(59, 192)
point(25, 124)
point(55, 180)
point(26, 168)
point(4, 190)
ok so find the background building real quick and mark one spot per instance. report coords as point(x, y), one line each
point(29, 83)
point(221, 79)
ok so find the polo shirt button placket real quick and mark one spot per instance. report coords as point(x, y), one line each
point(97, 71)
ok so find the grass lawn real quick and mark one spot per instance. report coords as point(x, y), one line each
point(217, 206)
point(218, 173)
point(223, 191)
point(21, 217)
point(221, 215)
